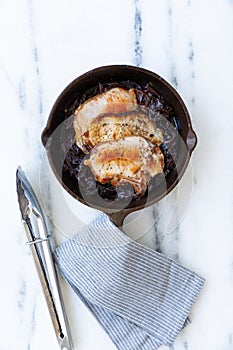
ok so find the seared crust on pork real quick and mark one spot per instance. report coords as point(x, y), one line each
point(109, 127)
point(115, 100)
point(131, 160)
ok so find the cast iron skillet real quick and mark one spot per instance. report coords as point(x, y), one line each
point(116, 73)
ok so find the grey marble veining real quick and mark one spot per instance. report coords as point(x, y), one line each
point(35, 55)
point(138, 32)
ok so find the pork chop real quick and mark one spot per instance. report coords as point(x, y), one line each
point(115, 100)
point(131, 160)
point(116, 126)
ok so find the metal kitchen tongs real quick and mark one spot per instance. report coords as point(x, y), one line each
point(39, 242)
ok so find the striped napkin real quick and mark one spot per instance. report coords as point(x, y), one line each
point(141, 298)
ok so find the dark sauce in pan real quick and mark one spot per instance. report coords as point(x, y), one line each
point(159, 110)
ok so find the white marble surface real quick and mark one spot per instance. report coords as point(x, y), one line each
point(46, 44)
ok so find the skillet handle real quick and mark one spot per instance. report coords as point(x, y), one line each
point(191, 140)
point(45, 136)
point(118, 217)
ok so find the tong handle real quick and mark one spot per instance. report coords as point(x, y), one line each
point(64, 331)
point(42, 276)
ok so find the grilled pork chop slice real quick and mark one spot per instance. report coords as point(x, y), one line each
point(115, 100)
point(131, 160)
point(116, 126)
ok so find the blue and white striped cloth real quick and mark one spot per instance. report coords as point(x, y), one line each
point(141, 298)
